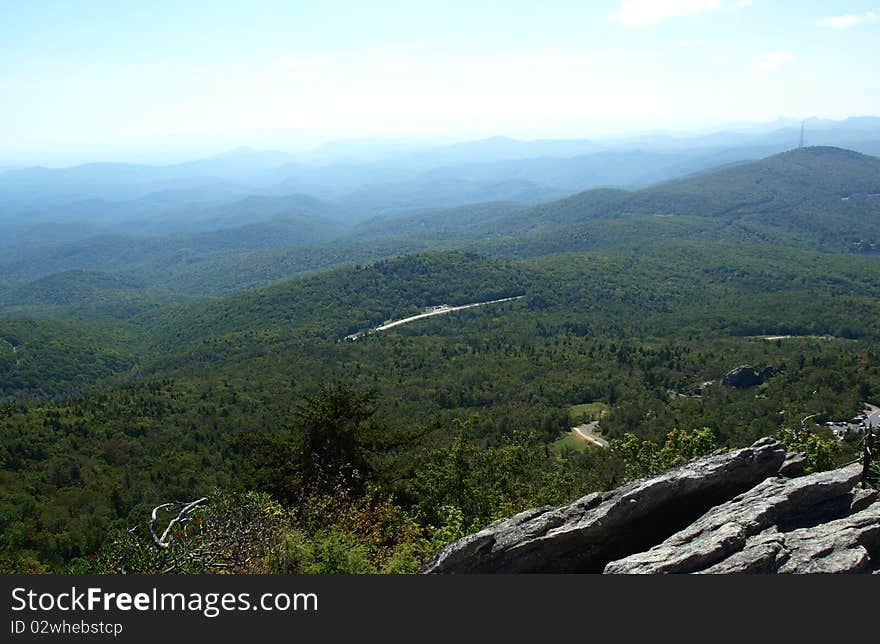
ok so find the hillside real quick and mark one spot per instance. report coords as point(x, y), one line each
point(336, 303)
point(462, 223)
point(84, 295)
point(159, 261)
point(125, 394)
point(812, 198)
point(58, 357)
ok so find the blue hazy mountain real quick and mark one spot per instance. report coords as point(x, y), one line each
point(347, 183)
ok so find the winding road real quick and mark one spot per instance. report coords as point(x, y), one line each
point(585, 432)
point(441, 311)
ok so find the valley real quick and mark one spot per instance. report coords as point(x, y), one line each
point(140, 368)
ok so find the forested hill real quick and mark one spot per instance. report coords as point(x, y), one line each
point(808, 175)
point(335, 303)
point(471, 409)
point(819, 198)
point(103, 419)
point(813, 198)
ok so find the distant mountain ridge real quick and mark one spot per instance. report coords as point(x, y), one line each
point(771, 192)
point(815, 198)
point(361, 180)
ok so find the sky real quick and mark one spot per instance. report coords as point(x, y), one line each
point(85, 80)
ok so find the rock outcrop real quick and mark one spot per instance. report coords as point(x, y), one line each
point(767, 528)
point(749, 510)
point(746, 376)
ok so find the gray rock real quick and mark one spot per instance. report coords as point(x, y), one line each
point(746, 511)
point(746, 376)
point(602, 527)
point(725, 530)
point(794, 465)
point(862, 498)
point(847, 545)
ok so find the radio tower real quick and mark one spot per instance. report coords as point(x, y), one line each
point(803, 125)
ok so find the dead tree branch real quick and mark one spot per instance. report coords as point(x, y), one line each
point(162, 542)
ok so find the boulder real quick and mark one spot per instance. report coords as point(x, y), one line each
point(748, 532)
point(847, 545)
point(746, 376)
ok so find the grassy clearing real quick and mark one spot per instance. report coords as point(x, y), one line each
point(587, 412)
point(569, 441)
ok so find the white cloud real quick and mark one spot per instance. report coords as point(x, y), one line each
point(775, 60)
point(849, 20)
point(638, 13)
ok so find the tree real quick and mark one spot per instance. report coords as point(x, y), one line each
point(334, 425)
point(326, 449)
point(644, 457)
point(821, 452)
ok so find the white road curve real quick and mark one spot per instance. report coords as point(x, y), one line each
point(442, 311)
point(585, 432)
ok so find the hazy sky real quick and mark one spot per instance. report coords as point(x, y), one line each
point(96, 79)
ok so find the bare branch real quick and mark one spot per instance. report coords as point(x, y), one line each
point(162, 542)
